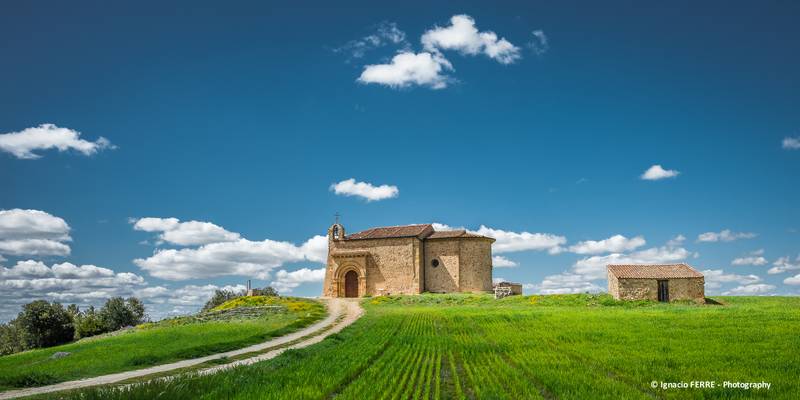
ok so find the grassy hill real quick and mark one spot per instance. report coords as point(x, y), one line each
point(564, 347)
point(232, 325)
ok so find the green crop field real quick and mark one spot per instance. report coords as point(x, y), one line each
point(233, 325)
point(552, 347)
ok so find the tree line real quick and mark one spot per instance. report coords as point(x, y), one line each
point(43, 324)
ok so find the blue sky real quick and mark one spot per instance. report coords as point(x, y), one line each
point(244, 115)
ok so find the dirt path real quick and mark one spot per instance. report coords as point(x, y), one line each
point(352, 311)
point(337, 308)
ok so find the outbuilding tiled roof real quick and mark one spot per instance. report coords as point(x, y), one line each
point(654, 271)
point(420, 231)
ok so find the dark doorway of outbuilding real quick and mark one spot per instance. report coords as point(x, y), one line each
point(663, 291)
point(351, 284)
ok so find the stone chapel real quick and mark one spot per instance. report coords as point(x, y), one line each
point(408, 259)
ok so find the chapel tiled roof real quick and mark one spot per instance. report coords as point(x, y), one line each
point(657, 271)
point(421, 231)
point(460, 233)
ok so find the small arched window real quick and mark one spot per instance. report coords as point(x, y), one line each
point(336, 232)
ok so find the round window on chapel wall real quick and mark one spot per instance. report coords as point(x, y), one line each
point(435, 263)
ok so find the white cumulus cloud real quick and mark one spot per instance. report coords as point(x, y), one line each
point(716, 277)
point(33, 247)
point(462, 36)
point(754, 258)
point(791, 143)
point(614, 244)
point(242, 257)
point(387, 33)
point(502, 262)
point(285, 282)
point(407, 69)
point(784, 264)
point(34, 224)
point(316, 249)
point(508, 242)
point(676, 241)
point(368, 191)
point(24, 143)
point(595, 267)
point(565, 283)
point(185, 233)
point(220, 252)
point(758, 289)
point(657, 172)
point(33, 233)
point(429, 67)
point(793, 280)
point(539, 44)
point(437, 226)
point(726, 235)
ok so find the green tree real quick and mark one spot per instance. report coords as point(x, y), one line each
point(118, 313)
point(89, 323)
point(45, 324)
point(137, 309)
point(73, 310)
point(269, 291)
point(12, 339)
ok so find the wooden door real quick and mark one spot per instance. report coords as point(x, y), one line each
point(663, 291)
point(351, 284)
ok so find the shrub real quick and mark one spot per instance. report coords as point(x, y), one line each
point(45, 324)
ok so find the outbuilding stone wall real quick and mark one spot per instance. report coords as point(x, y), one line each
point(647, 289)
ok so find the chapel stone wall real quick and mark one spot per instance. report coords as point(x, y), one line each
point(393, 265)
point(476, 265)
point(443, 278)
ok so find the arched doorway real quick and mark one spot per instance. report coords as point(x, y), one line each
point(351, 284)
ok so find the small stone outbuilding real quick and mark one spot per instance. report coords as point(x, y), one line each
point(664, 282)
point(514, 288)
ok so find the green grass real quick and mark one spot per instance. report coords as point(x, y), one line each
point(228, 327)
point(564, 347)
